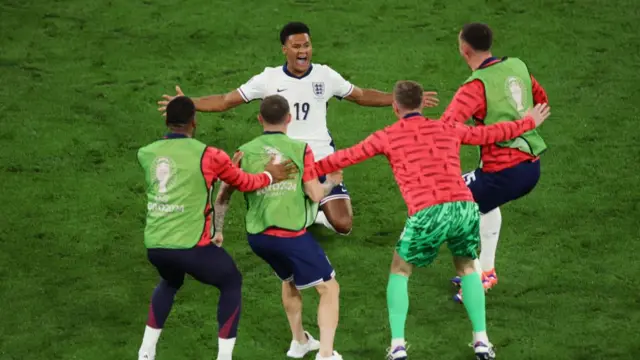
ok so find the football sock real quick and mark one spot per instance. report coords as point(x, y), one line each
point(398, 304)
point(225, 348)
point(229, 306)
point(489, 234)
point(149, 341)
point(474, 301)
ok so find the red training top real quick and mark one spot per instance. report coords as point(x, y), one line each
point(425, 156)
point(470, 101)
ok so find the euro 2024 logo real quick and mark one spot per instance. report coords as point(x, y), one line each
point(163, 173)
point(515, 90)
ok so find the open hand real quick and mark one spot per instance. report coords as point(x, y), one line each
point(281, 171)
point(430, 99)
point(237, 157)
point(167, 99)
point(540, 113)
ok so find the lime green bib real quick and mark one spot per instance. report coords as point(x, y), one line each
point(285, 204)
point(177, 194)
point(509, 95)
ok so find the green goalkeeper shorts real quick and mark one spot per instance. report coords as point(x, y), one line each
point(456, 223)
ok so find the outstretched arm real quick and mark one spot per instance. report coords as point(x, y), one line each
point(372, 97)
point(485, 135)
point(373, 145)
point(219, 162)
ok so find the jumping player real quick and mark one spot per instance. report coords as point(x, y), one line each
point(180, 173)
point(425, 158)
point(498, 90)
point(276, 222)
point(308, 88)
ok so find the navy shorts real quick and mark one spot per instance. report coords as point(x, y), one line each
point(492, 190)
point(299, 259)
point(338, 192)
point(209, 264)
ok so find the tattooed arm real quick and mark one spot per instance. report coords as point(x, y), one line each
point(220, 208)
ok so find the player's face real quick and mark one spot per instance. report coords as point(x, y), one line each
point(298, 51)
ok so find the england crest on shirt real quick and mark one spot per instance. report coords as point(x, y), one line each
point(318, 89)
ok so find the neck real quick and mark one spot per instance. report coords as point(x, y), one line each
point(187, 133)
point(476, 60)
point(291, 68)
point(275, 128)
point(403, 113)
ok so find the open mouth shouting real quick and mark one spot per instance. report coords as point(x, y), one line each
point(302, 60)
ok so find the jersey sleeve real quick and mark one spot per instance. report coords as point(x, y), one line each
point(373, 145)
point(539, 95)
point(255, 88)
point(468, 101)
point(220, 163)
point(341, 88)
point(309, 172)
point(485, 135)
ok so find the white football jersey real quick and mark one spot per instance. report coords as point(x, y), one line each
point(307, 96)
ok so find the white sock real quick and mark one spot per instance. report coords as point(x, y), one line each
point(149, 341)
point(396, 342)
point(481, 337)
point(321, 219)
point(489, 234)
point(225, 348)
point(318, 357)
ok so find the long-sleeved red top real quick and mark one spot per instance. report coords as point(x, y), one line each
point(216, 164)
point(470, 101)
point(424, 155)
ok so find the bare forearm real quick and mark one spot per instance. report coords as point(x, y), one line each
point(374, 98)
point(211, 103)
point(220, 210)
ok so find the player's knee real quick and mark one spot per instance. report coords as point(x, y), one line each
point(343, 225)
point(330, 287)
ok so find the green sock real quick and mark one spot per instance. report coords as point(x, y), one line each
point(473, 293)
point(398, 304)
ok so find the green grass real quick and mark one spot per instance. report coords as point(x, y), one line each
point(79, 84)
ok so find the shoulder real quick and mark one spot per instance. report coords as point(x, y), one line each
point(324, 69)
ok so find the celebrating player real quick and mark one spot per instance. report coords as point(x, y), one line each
point(276, 221)
point(498, 90)
point(308, 88)
point(425, 158)
point(180, 172)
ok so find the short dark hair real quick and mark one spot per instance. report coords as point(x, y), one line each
point(479, 36)
point(274, 109)
point(180, 111)
point(293, 28)
point(408, 94)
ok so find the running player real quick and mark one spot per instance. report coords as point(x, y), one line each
point(308, 88)
point(497, 90)
point(276, 222)
point(180, 172)
point(425, 158)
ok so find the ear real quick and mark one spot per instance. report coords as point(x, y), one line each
point(284, 50)
point(395, 108)
point(288, 121)
point(260, 119)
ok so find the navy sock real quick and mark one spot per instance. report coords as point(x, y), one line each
point(161, 303)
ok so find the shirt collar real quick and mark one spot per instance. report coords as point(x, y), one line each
point(288, 73)
point(413, 114)
point(175, 136)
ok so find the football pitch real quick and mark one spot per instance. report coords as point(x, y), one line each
point(80, 81)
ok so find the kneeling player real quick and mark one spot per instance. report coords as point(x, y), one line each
point(177, 232)
point(276, 222)
point(425, 159)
